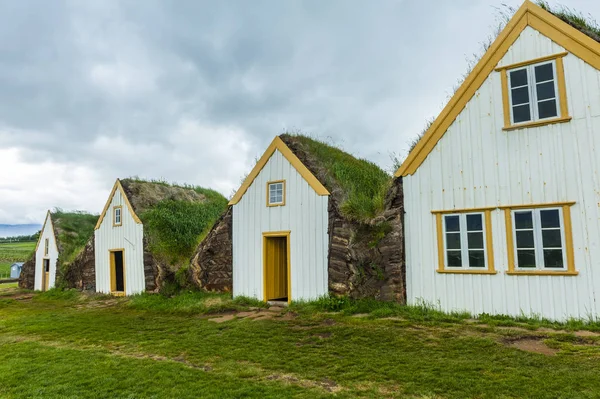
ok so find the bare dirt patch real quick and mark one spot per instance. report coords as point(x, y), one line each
point(531, 344)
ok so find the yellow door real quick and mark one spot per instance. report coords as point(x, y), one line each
point(276, 271)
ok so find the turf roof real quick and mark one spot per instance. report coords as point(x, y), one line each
point(358, 186)
point(72, 231)
point(175, 217)
point(585, 24)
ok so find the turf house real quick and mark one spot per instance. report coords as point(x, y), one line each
point(308, 220)
point(145, 237)
point(62, 236)
point(501, 192)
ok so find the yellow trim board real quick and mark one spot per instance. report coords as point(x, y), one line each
point(533, 61)
point(279, 145)
point(529, 14)
point(465, 210)
point(114, 210)
point(269, 194)
point(285, 234)
point(543, 205)
point(48, 218)
point(116, 187)
point(542, 122)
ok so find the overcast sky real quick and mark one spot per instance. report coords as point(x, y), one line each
point(193, 91)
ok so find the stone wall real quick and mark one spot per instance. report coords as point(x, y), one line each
point(27, 276)
point(154, 271)
point(367, 260)
point(211, 266)
point(81, 272)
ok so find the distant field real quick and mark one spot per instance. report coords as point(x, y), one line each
point(13, 252)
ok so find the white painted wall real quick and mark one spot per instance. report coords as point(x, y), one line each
point(305, 215)
point(129, 236)
point(48, 233)
point(477, 164)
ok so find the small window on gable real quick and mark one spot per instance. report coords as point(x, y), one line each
point(46, 245)
point(534, 93)
point(117, 216)
point(276, 193)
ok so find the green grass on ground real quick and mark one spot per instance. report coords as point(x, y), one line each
point(62, 344)
point(11, 252)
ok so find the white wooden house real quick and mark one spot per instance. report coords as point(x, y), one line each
point(280, 222)
point(119, 247)
point(46, 256)
point(502, 193)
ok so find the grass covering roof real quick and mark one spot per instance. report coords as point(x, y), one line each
point(586, 24)
point(359, 186)
point(175, 217)
point(72, 231)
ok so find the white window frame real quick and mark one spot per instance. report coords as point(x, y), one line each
point(538, 240)
point(533, 100)
point(464, 249)
point(120, 218)
point(276, 183)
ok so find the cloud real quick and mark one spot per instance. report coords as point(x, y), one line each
point(192, 91)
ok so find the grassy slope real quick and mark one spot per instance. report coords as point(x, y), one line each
point(363, 182)
point(112, 348)
point(175, 227)
point(75, 229)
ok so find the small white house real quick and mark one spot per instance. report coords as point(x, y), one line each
point(280, 223)
point(46, 256)
point(502, 192)
point(119, 247)
point(15, 269)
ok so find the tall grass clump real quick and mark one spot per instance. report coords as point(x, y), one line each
point(174, 228)
point(74, 231)
point(364, 184)
point(584, 23)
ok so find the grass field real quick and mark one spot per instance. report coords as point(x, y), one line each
point(62, 344)
point(13, 252)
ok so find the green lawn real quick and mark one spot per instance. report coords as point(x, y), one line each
point(13, 252)
point(57, 345)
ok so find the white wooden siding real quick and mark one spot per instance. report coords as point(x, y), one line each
point(304, 214)
point(52, 255)
point(477, 164)
point(128, 236)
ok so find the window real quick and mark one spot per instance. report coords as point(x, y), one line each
point(117, 216)
point(540, 240)
point(464, 242)
point(46, 245)
point(534, 92)
point(276, 193)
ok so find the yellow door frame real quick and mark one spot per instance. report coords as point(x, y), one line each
point(113, 272)
point(286, 235)
point(45, 274)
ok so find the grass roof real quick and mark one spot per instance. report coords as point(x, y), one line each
point(358, 185)
point(586, 24)
point(175, 217)
point(72, 230)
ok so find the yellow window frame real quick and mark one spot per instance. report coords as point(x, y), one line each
point(120, 207)
point(568, 234)
point(562, 92)
point(269, 196)
point(489, 245)
point(46, 246)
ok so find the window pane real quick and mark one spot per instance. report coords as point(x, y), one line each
point(454, 259)
point(475, 240)
point(553, 258)
point(452, 223)
point(544, 72)
point(523, 220)
point(525, 239)
point(521, 113)
point(550, 218)
point(545, 91)
point(526, 258)
point(551, 238)
point(474, 222)
point(518, 78)
point(547, 109)
point(520, 95)
point(452, 240)
point(476, 259)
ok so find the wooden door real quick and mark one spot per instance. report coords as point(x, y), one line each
point(276, 268)
point(46, 274)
